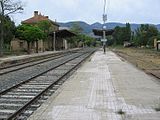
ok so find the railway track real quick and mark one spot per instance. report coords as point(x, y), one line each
point(42, 59)
point(14, 75)
point(21, 100)
point(29, 64)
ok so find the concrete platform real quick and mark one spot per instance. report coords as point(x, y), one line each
point(104, 88)
point(22, 58)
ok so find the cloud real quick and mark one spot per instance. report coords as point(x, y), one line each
point(142, 11)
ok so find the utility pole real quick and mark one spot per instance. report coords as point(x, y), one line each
point(104, 27)
point(2, 30)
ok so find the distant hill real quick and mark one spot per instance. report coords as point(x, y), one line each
point(88, 28)
point(158, 26)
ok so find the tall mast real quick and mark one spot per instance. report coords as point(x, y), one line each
point(104, 12)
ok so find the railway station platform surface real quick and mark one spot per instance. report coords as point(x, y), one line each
point(28, 56)
point(105, 87)
point(25, 56)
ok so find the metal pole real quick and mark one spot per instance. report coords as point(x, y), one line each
point(104, 27)
point(54, 41)
point(104, 43)
point(104, 32)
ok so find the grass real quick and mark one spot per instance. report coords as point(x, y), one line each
point(144, 58)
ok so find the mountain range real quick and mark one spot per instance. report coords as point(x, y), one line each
point(87, 28)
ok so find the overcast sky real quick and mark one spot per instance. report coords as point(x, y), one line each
point(90, 11)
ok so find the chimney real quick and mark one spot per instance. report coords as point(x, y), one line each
point(35, 13)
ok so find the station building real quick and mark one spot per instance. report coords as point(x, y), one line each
point(48, 44)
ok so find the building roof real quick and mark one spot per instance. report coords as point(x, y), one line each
point(37, 18)
point(63, 34)
point(99, 32)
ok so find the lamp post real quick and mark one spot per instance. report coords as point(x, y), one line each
point(104, 32)
point(104, 27)
point(2, 30)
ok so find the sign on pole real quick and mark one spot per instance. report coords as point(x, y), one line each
point(103, 40)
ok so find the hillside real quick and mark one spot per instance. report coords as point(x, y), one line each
point(88, 28)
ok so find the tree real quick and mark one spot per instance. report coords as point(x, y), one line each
point(9, 30)
point(128, 32)
point(144, 34)
point(30, 34)
point(80, 37)
point(122, 34)
point(89, 41)
point(45, 26)
point(7, 7)
point(12, 6)
point(78, 31)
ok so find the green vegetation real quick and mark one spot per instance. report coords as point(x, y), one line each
point(81, 39)
point(30, 34)
point(145, 35)
point(7, 7)
point(9, 30)
point(142, 36)
point(45, 26)
point(122, 34)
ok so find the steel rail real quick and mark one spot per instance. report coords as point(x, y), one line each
point(39, 59)
point(22, 63)
point(30, 65)
point(5, 91)
point(14, 115)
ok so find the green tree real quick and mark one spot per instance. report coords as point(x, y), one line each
point(89, 41)
point(81, 38)
point(128, 32)
point(8, 30)
point(144, 34)
point(7, 7)
point(122, 34)
point(78, 31)
point(45, 26)
point(30, 34)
